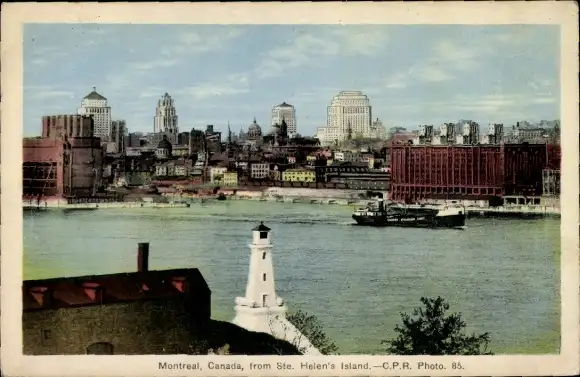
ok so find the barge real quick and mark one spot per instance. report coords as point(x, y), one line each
point(379, 214)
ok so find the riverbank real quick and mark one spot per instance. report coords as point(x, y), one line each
point(92, 206)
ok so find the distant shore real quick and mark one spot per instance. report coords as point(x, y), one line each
point(517, 211)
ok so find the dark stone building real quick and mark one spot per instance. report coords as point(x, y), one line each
point(144, 312)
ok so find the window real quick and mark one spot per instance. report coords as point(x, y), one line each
point(101, 348)
point(264, 277)
point(45, 337)
point(263, 235)
point(264, 255)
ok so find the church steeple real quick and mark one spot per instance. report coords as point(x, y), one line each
point(349, 132)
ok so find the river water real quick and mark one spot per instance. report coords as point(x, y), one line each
point(502, 275)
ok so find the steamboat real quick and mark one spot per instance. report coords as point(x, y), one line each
point(394, 214)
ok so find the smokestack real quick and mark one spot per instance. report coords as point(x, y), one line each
point(143, 257)
point(381, 205)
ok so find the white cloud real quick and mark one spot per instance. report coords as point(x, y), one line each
point(43, 55)
point(191, 43)
point(306, 48)
point(231, 85)
point(433, 74)
point(183, 46)
point(149, 65)
point(488, 106)
point(458, 57)
point(397, 81)
point(46, 93)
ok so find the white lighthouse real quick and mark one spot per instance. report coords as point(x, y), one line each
point(261, 310)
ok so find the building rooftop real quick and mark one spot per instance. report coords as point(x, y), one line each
point(99, 289)
point(284, 104)
point(94, 95)
point(143, 284)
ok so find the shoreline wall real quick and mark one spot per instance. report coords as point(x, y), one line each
point(314, 193)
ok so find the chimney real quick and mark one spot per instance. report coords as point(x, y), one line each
point(180, 283)
point(42, 295)
point(143, 257)
point(94, 291)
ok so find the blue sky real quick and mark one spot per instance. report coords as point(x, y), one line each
point(413, 74)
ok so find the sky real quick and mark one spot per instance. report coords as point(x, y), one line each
point(413, 74)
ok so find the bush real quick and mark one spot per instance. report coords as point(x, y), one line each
point(429, 331)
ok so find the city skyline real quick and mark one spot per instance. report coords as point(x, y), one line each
point(218, 73)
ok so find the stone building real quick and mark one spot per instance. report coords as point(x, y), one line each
point(164, 149)
point(96, 105)
point(143, 312)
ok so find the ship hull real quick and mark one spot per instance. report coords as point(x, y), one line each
point(456, 221)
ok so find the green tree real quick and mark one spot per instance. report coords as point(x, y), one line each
point(430, 331)
point(311, 328)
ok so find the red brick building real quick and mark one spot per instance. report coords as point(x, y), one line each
point(65, 161)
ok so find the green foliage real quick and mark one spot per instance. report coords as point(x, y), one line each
point(311, 328)
point(429, 331)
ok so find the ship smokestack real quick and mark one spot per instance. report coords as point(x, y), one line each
point(381, 205)
point(143, 257)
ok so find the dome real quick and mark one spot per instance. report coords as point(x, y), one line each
point(254, 130)
point(164, 144)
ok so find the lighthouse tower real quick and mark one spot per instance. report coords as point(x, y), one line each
point(261, 310)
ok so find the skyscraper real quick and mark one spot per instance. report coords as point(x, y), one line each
point(96, 105)
point(165, 120)
point(288, 113)
point(349, 109)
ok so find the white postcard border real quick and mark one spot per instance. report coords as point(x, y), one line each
point(14, 15)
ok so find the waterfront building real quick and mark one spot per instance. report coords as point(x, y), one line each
point(52, 167)
point(217, 174)
point(483, 173)
point(165, 120)
point(95, 105)
point(286, 112)
point(299, 175)
point(230, 179)
point(261, 309)
point(349, 112)
point(259, 170)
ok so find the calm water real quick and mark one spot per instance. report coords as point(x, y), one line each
point(503, 275)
